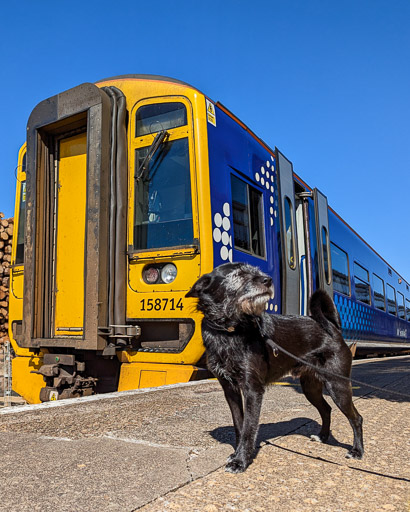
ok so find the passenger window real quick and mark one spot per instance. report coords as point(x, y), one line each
point(400, 306)
point(159, 116)
point(391, 300)
point(289, 233)
point(378, 291)
point(247, 206)
point(361, 272)
point(340, 270)
point(361, 284)
point(408, 310)
point(256, 214)
point(325, 245)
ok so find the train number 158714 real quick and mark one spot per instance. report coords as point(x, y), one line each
point(161, 304)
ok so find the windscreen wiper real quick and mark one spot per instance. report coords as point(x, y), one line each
point(158, 141)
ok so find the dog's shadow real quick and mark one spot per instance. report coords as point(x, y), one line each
point(270, 431)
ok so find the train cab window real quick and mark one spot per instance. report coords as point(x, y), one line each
point(400, 306)
point(361, 284)
point(340, 269)
point(391, 300)
point(159, 116)
point(163, 214)
point(21, 225)
point(379, 294)
point(247, 206)
point(163, 202)
point(408, 310)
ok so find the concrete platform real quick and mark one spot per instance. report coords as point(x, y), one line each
point(164, 449)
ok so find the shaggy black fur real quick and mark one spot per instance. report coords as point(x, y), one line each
point(235, 331)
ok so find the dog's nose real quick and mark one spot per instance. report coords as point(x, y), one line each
point(267, 281)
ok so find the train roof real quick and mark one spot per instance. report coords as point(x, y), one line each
point(157, 78)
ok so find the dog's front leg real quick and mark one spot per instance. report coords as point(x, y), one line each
point(244, 451)
point(234, 398)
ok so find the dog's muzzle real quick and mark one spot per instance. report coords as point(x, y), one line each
point(256, 304)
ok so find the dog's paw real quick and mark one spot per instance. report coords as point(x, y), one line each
point(316, 438)
point(354, 454)
point(319, 438)
point(235, 466)
point(231, 457)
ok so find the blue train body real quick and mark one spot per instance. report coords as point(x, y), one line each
point(361, 321)
point(233, 152)
point(243, 168)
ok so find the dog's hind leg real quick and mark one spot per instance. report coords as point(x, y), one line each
point(342, 395)
point(234, 398)
point(312, 388)
point(245, 450)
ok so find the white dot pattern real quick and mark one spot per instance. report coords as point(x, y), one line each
point(221, 232)
point(224, 253)
point(217, 235)
point(266, 177)
point(225, 238)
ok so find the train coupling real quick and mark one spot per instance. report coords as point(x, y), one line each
point(119, 337)
point(64, 378)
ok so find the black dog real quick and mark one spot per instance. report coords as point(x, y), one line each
point(236, 333)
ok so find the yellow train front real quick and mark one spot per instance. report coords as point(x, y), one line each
point(112, 210)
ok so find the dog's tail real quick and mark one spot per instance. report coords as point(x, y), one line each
point(323, 310)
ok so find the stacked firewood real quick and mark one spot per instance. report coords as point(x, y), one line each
point(6, 236)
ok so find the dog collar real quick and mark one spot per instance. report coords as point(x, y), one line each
point(217, 327)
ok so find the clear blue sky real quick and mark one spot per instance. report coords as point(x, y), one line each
point(327, 82)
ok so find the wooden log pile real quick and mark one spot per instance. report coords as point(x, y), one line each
point(6, 236)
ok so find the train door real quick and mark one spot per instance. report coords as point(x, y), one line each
point(69, 240)
point(324, 266)
point(289, 254)
point(305, 252)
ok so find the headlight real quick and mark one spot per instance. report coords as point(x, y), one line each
point(168, 273)
point(151, 275)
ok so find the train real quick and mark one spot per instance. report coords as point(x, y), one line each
point(131, 188)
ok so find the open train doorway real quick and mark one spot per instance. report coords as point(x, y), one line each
point(306, 258)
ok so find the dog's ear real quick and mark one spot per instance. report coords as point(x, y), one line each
point(201, 285)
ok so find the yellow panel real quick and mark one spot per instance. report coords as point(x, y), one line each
point(148, 375)
point(71, 213)
point(17, 281)
point(25, 383)
point(152, 379)
point(17, 271)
